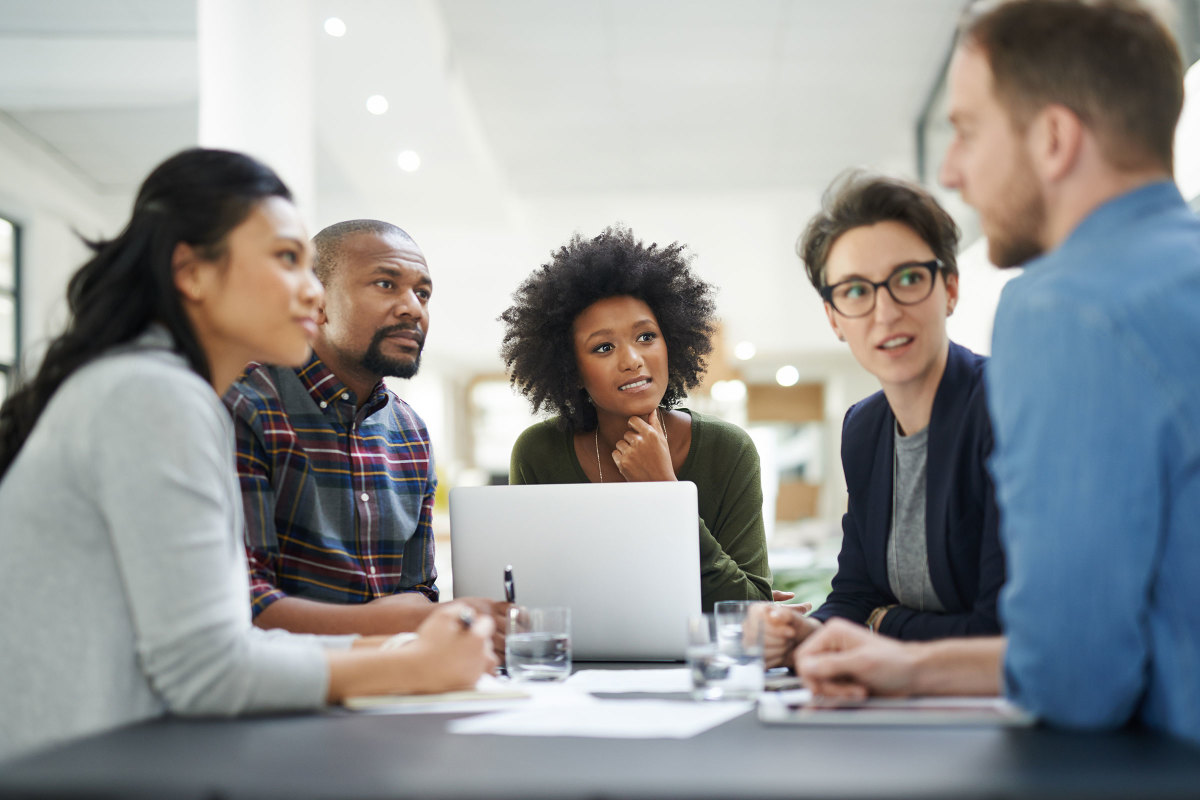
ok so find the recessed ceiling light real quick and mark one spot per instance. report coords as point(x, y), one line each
point(377, 104)
point(745, 351)
point(787, 376)
point(408, 161)
point(335, 27)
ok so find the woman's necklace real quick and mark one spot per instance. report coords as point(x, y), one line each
point(662, 421)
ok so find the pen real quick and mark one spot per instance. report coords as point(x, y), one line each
point(466, 619)
point(510, 591)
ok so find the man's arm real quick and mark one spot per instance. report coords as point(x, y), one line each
point(385, 615)
point(846, 660)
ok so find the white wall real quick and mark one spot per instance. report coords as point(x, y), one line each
point(51, 205)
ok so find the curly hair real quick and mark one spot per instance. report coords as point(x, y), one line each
point(539, 342)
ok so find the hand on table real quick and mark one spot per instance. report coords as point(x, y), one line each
point(454, 656)
point(784, 627)
point(497, 610)
point(846, 660)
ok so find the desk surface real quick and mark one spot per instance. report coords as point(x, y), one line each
point(343, 755)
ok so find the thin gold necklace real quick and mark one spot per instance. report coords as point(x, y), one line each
point(661, 420)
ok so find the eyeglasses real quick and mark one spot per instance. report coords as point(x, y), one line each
point(908, 285)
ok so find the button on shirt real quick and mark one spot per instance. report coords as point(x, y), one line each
point(338, 499)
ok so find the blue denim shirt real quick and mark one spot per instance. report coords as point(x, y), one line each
point(1094, 392)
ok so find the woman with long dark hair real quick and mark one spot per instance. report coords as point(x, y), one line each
point(123, 587)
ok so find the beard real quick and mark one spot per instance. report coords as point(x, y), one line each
point(1016, 226)
point(378, 364)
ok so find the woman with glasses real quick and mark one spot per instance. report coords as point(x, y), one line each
point(920, 556)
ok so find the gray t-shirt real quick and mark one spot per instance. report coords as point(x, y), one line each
point(907, 552)
point(124, 593)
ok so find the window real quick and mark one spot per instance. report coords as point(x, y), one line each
point(10, 304)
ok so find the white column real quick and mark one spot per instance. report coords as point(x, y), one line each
point(256, 85)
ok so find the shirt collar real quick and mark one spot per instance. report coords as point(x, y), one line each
point(327, 390)
point(1116, 213)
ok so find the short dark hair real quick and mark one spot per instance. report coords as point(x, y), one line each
point(857, 198)
point(329, 243)
point(1111, 62)
point(539, 347)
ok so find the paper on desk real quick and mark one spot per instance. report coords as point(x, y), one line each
point(489, 694)
point(608, 719)
point(631, 680)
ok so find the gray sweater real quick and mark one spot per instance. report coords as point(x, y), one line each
point(123, 586)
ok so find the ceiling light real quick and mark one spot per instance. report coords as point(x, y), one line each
point(745, 351)
point(728, 391)
point(335, 27)
point(377, 104)
point(787, 376)
point(408, 161)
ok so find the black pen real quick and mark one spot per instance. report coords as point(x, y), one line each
point(510, 591)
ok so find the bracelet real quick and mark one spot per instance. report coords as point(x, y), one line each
point(876, 615)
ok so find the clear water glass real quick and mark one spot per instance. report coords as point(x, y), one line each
point(537, 646)
point(725, 659)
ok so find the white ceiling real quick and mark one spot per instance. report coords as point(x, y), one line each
point(711, 121)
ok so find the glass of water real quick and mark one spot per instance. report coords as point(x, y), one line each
point(725, 654)
point(538, 644)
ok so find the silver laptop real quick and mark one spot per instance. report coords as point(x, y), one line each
point(624, 556)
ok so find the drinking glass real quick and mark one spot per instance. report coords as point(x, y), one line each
point(725, 664)
point(538, 643)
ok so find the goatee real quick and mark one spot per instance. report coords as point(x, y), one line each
point(378, 364)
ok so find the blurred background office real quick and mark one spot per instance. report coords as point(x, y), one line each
point(491, 130)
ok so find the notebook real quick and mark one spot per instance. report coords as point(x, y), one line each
point(625, 557)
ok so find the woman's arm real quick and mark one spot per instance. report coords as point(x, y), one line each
point(160, 465)
point(733, 541)
point(448, 654)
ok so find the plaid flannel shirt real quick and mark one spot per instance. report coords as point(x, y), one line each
point(338, 500)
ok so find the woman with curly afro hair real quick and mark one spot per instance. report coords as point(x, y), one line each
point(611, 334)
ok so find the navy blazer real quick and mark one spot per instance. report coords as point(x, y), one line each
point(966, 563)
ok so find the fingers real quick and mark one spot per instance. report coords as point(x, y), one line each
point(837, 634)
point(779, 596)
point(484, 626)
point(836, 689)
point(641, 426)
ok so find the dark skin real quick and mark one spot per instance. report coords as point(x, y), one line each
point(622, 360)
point(382, 282)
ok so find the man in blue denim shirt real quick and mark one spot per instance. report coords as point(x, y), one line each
point(1064, 115)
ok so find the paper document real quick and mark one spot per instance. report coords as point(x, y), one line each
point(631, 680)
point(489, 694)
point(609, 719)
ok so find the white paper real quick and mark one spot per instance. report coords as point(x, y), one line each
point(610, 719)
point(631, 680)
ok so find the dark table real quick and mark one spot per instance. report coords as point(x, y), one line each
point(342, 755)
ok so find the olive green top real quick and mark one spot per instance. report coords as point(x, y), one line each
point(723, 464)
